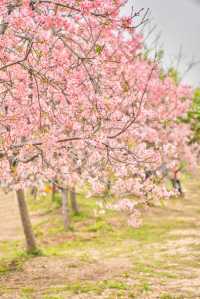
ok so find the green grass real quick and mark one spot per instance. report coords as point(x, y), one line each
point(11, 264)
point(14, 256)
point(95, 241)
point(168, 296)
point(88, 231)
point(53, 297)
point(27, 293)
point(89, 287)
point(43, 203)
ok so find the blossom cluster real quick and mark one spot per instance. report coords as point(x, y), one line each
point(81, 103)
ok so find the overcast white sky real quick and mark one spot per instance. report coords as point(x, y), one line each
point(179, 24)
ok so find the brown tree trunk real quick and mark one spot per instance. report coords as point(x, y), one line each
point(26, 222)
point(73, 199)
point(34, 192)
point(53, 191)
point(65, 210)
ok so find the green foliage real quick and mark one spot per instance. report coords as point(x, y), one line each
point(193, 117)
point(174, 75)
point(99, 49)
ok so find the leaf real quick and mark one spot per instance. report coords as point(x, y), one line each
point(99, 49)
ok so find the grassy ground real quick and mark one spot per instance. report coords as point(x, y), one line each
point(101, 257)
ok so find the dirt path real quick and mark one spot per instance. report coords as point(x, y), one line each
point(161, 260)
point(10, 225)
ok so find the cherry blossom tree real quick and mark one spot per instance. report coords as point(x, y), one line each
point(80, 101)
point(50, 54)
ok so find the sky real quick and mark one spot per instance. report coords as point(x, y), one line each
point(178, 25)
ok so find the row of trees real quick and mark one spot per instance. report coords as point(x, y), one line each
point(80, 102)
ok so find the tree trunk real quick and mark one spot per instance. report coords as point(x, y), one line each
point(65, 210)
point(26, 222)
point(53, 191)
point(34, 192)
point(73, 199)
